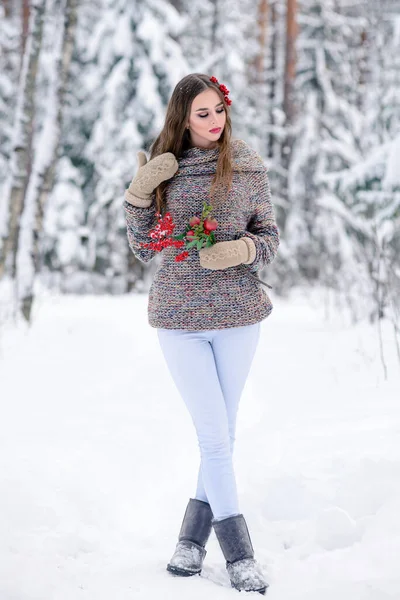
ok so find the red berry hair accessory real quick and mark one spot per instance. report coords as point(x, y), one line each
point(223, 89)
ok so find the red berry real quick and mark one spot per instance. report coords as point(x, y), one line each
point(210, 224)
point(190, 234)
point(194, 221)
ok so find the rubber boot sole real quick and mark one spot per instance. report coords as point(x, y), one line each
point(181, 572)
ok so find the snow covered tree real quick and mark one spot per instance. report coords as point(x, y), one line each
point(9, 68)
point(21, 152)
point(370, 190)
point(56, 58)
point(223, 38)
point(327, 134)
point(125, 67)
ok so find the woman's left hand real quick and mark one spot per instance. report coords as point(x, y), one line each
point(222, 255)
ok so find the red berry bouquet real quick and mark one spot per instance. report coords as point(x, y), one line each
point(198, 232)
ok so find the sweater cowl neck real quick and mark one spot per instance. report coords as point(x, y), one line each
point(196, 151)
point(203, 161)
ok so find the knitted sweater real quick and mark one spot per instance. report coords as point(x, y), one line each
point(185, 295)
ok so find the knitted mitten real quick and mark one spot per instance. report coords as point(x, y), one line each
point(228, 254)
point(149, 176)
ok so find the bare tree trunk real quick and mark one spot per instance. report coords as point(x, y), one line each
point(213, 37)
point(262, 21)
point(289, 99)
point(20, 160)
point(25, 24)
point(362, 68)
point(30, 249)
point(273, 69)
point(7, 8)
point(290, 62)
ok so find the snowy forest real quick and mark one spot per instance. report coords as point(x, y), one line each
point(316, 83)
point(98, 452)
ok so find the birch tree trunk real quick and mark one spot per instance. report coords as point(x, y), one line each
point(9, 69)
point(20, 160)
point(29, 254)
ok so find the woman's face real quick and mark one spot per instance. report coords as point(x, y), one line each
point(207, 113)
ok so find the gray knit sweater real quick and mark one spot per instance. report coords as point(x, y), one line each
point(185, 295)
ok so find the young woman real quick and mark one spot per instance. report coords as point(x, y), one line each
point(207, 309)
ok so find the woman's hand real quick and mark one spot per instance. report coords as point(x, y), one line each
point(222, 255)
point(149, 176)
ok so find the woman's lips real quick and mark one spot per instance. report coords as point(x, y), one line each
point(216, 130)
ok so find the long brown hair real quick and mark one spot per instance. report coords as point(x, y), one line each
point(175, 138)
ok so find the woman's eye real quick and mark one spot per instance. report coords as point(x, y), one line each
point(206, 115)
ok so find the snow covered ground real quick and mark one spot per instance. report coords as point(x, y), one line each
point(98, 457)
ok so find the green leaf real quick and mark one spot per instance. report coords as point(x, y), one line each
point(191, 244)
point(199, 244)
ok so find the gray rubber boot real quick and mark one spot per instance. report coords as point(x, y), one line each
point(243, 570)
point(195, 530)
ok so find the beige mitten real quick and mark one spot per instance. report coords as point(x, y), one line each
point(228, 254)
point(149, 176)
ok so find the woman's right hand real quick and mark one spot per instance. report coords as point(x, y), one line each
point(149, 176)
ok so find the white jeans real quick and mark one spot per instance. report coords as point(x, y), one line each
point(210, 368)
